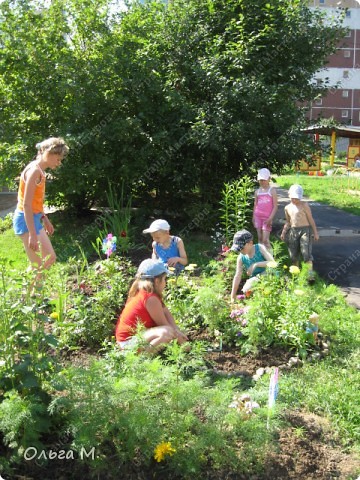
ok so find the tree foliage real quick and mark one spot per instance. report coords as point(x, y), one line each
point(171, 98)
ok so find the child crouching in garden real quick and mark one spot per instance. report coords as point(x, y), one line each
point(168, 248)
point(145, 307)
point(253, 258)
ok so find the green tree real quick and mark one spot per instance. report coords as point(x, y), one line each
point(171, 99)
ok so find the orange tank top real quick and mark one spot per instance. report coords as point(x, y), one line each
point(37, 205)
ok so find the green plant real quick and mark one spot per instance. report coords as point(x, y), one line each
point(236, 206)
point(25, 362)
point(23, 421)
point(6, 222)
point(178, 407)
point(89, 304)
point(116, 220)
point(278, 311)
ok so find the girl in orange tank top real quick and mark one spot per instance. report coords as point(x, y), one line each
point(30, 223)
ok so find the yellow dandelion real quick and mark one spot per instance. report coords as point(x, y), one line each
point(163, 449)
point(54, 315)
point(172, 269)
point(272, 264)
point(294, 270)
point(299, 292)
point(285, 267)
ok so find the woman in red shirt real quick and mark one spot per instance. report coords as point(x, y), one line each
point(145, 307)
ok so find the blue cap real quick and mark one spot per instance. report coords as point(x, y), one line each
point(150, 268)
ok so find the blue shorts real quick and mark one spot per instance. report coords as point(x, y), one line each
point(20, 226)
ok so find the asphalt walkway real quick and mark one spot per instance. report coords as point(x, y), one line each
point(336, 254)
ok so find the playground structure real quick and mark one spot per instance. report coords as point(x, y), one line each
point(353, 151)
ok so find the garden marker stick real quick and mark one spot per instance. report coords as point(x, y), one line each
point(273, 391)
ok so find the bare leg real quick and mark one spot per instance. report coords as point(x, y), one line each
point(259, 235)
point(45, 257)
point(157, 336)
point(266, 239)
point(42, 259)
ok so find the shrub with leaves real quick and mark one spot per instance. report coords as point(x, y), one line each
point(278, 311)
point(93, 300)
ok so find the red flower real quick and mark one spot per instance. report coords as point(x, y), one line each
point(123, 234)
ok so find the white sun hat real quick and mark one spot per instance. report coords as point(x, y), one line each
point(296, 191)
point(157, 225)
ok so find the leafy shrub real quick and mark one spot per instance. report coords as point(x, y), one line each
point(94, 297)
point(278, 312)
point(187, 413)
point(6, 222)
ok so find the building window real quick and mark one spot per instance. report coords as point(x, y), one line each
point(344, 113)
point(318, 81)
point(345, 93)
point(322, 2)
point(318, 101)
point(348, 13)
point(347, 53)
point(348, 34)
point(346, 74)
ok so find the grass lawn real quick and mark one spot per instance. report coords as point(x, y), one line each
point(338, 190)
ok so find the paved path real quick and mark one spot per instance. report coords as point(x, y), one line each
point(337, 253)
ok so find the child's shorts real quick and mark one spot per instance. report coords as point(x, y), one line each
point(299, 241)
point(128, 344)
point(259, 224)
point(20, 226)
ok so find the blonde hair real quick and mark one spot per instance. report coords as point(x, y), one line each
point(147, 284)
point(53, 145)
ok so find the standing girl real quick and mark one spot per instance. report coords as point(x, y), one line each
point(30, 223)
point(145, 307)
point(265, 207)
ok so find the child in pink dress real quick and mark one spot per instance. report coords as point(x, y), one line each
point(265, 207)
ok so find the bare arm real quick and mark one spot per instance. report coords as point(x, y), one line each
point(267, 258)
point(236, 279)
point(275, 207)
point(182, 258)
point(162, 317)
point(286, 226)
point(154, 254)
point(311, 221)
point(156, 311)
point(255, 204)
point(179, 334)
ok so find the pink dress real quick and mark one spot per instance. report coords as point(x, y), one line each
point(264, 207)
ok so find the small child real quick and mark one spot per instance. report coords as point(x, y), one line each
point(297, 229)
point(253, 259)
point(168, 248)
point(145, 306)
point(265, 207)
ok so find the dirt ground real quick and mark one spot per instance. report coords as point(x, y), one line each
point(306, 449)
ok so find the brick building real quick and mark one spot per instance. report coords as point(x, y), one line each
point(342, 69)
